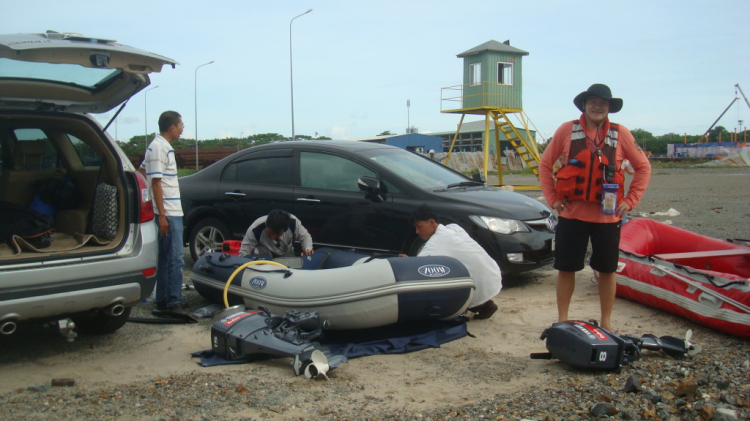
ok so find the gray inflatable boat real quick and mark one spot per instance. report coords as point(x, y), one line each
point(348, 290)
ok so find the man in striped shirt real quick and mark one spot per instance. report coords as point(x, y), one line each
point(160, 169)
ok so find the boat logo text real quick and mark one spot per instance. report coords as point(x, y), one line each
point(591, 331)
point(258, 282)
point(234, 317)
point(434, 271)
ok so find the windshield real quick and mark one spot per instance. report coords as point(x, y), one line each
point(414, 168)
point(74, 74)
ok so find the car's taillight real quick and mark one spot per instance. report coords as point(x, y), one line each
point(147, 205)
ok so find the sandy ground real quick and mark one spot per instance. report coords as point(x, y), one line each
point(500, 348)
point(495, 360)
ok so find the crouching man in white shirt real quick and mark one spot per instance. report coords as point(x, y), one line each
point(452, 240)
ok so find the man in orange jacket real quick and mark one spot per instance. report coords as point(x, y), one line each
point(592, 150)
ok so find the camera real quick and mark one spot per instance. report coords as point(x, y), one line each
point(609, 173)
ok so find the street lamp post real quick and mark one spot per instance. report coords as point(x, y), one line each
point(145, 113)
point(239, 141)
point(408, 123)
point(291, 73)
point(196, 111)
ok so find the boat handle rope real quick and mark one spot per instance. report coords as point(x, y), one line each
point(653, 259)
point(709, 291)
point(287, 273)
point(379, 256)
point(243, 266)
point(710, 278)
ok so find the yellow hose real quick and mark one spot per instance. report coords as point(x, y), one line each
point(243, 266)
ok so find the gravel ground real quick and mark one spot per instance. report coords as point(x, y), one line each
point(713, 385)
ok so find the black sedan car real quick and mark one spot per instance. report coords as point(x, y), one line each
point(358, 195)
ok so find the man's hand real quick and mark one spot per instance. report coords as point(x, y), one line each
point(163, 225)
point(560, 205)
point(623, 208)
point(307, 252)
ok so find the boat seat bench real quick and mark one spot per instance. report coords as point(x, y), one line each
point(699, 254)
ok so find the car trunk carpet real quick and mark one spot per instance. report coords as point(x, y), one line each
point(60, 242)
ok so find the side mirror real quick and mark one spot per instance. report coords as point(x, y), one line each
point(371, 186)
point(479, 178)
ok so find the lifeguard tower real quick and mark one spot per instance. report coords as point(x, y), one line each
point(492, 88)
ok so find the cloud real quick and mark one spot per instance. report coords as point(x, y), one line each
point(225, 134)
point(338, 132)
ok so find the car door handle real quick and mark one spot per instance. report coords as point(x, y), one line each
point(307, 199)
point(235, 194)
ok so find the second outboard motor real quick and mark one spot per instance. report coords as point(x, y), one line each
point(586, 345)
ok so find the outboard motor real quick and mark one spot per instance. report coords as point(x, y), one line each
point(586, 345)
point(238, 334)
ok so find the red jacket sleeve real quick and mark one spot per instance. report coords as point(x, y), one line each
point(628, 149)
point(557, 147)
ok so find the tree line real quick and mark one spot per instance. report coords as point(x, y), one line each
point(657, 145)
point(137, 144)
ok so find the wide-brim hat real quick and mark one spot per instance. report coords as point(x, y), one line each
point(602, 91)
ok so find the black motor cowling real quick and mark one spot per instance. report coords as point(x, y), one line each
point(587, 345)
point(238, 334)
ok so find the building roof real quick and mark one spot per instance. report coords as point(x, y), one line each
point(373, 139)
point(471, 126)
point(493, 45)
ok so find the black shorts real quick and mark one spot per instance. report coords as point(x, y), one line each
point(572, 240)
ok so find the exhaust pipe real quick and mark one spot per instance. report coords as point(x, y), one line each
point(8, 327)
point(115, 309)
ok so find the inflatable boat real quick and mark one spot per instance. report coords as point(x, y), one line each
point(349, 290)
point(697, 277)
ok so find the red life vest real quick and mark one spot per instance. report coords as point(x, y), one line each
point(581, 178)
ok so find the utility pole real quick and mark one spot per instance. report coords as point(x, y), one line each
point(291, 72)
point(408, 124)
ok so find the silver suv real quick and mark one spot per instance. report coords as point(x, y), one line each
point(102, 256)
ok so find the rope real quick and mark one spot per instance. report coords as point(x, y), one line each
point(698, 285)
point(243, 266)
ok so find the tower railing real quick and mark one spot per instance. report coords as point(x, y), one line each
point(486, 94)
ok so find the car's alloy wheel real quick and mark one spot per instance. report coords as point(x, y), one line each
point(207, 236)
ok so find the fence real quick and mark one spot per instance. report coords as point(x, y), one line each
point(186, 157)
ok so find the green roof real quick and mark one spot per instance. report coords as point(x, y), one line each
point(493, 45)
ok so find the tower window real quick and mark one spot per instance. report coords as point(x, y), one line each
point(504, 73)
point(475, 74)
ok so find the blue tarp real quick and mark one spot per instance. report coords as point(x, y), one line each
point(392, 339)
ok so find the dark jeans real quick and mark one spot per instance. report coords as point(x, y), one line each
point(170, 263)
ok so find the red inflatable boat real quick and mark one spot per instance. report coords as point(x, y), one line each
point(700, 278)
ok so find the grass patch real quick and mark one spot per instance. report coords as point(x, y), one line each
point(181, 172)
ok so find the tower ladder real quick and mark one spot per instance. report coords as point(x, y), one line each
point(526, 149)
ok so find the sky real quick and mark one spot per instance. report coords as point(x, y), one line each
point(357, 63)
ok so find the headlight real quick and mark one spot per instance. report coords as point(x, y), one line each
point(500, 225)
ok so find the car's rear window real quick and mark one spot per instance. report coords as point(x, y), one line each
point(85, 153)
point(33, 150)
point(62, 73)
point(265, 170)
